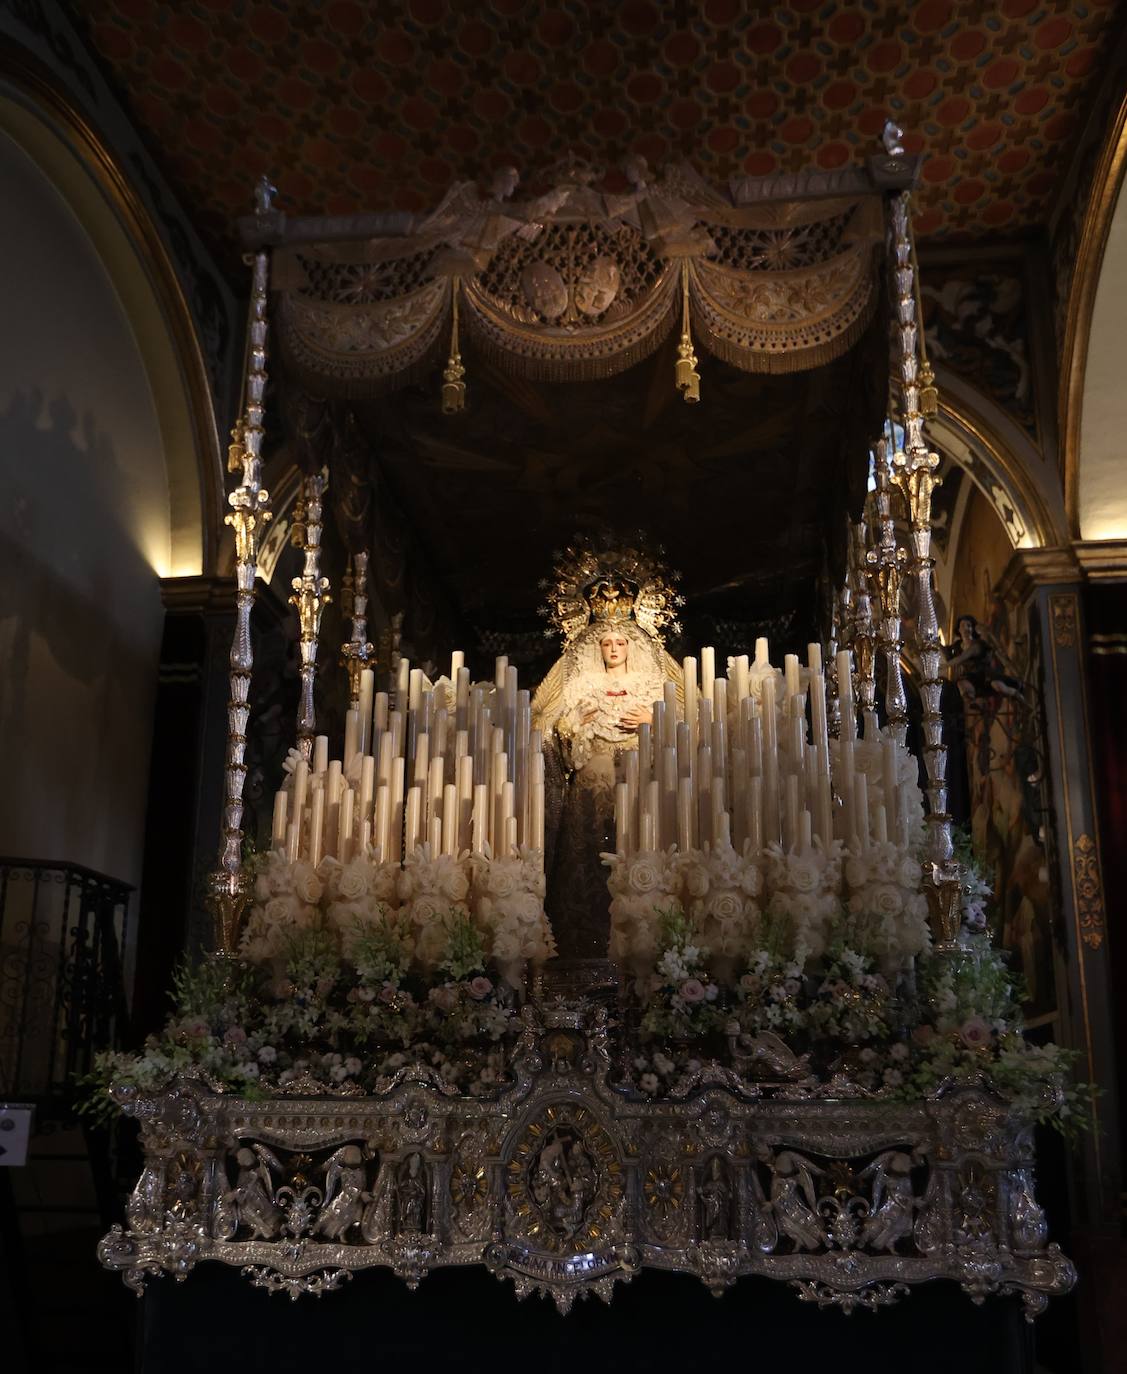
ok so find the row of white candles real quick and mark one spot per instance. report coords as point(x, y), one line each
point(731, 767)
point(453, 766)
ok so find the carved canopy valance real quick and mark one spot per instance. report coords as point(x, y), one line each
point(578, 284)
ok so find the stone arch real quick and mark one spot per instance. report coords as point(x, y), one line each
point(39, 119)
point(1093, 400)
point(1002, 461)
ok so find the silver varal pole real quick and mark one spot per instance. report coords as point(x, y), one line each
point(229, 886)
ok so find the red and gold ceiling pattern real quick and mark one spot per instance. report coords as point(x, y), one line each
point(352, 106)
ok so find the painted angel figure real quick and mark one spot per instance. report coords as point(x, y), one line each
point(610, 606)
point(345, 1193)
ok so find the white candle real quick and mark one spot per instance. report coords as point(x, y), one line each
point(434, 836)
point(704, 792)
point(320, 753)
point(500, 667)
point(740, 678)
point(457, 660)
point(278, 828)
point(668, 714)
point(770, 764)
point(790, 813)
point(394, 852)
point(351, 739)
point(449, 819)
point(653, 810)
point(882, 825)
point(333, 784)
point(685, 815)
point(413, 820)
point(805, 831)
point(383, 824)
point(707, 673)
point(536, 813)
point(316, 825)
point(791, 674)
point(365, 838)
point(845, 694)
point(645, 755)
point(861, 808)
point(344, 832)
point(480, 826)
point(630, 769)
point(415, 690)
point(497, 827)
point(367, 687)
point(689, 673)
point(402, 684)
point(755, 815)
point(720, 700)
point(464, 784)
point(367, 787)
point(668, 796)
point(762, 656)
point(300, 788)
point(379, 715)
point(293, 842)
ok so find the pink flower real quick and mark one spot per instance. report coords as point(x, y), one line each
point(975, 1033)
point(692, 990)
point(480, 987)
point(235, 1035)
point(923, 1036)
point(388, 993)
point(196, 1028)
point(444, 998)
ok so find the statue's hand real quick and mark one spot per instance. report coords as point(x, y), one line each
point(637, 715)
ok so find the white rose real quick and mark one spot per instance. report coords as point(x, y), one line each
point(724, 905)
point(803, 875)
point(645, 876)
point(751, 879)
point(306, 883)
point(352, 880)
point(500, 880)
point(885, 900)
point(909, 874)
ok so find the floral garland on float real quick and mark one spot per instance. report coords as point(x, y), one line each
point(790, 910)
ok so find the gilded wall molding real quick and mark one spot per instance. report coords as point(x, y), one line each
point(1106, 184)
point(1089, 890)
point(62, 120)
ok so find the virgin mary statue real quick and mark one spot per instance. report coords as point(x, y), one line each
point(610, 606)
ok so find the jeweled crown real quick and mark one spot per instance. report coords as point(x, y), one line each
point(602, 577)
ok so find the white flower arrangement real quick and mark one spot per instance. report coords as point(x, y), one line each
point(886, 904)
point(804, 891)
point(720, 887)
point(287, 900)
point(431, 889)
point(508, 909)
point(642, 887)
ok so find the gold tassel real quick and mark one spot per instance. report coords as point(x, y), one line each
point(929, 392)
point(686, 374)
point(236, 449)
point(453, 387)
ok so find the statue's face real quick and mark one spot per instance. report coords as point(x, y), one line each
point(614, 649)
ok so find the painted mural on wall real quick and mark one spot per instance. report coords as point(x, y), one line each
point(991, 660)
point(976, 323)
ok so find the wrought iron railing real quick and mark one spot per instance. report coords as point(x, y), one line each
point(62, 986)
